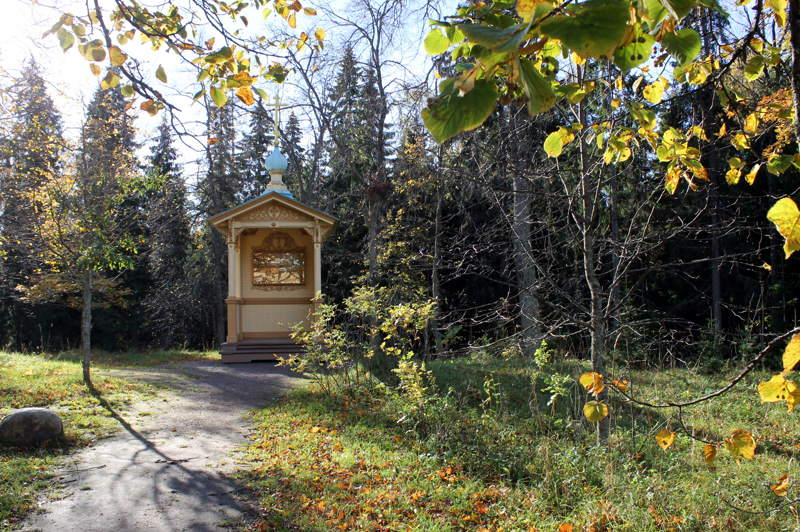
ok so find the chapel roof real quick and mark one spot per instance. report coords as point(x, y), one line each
point(220, 219)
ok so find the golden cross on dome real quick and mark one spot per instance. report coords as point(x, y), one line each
point(277, 119)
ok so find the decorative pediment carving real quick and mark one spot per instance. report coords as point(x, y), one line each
point(275, 212)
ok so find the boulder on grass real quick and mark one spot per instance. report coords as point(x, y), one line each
point(30, 427)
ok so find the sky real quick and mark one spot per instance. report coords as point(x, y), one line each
point(72, 84)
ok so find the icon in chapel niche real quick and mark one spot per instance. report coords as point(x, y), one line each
point(279, 262)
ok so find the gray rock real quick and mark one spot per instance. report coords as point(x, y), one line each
point(29, 427)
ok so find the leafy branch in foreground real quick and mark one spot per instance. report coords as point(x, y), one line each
point(243, 59)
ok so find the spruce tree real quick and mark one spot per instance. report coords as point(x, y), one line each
point(255, 145)
point(167, 302)
point(31, 155)
point(217, 193)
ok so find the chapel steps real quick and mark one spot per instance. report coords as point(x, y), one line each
point(254, 349)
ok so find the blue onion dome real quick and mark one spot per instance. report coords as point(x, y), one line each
point(276, 161)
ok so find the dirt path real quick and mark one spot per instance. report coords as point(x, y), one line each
point(169, 469)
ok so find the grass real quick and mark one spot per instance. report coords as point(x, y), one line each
point(105, 359)
point(55, 381)
point(483, 451)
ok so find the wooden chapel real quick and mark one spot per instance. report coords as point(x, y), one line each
point(274, 269)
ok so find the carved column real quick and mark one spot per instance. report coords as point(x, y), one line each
point(317, 266)
point(233, 322)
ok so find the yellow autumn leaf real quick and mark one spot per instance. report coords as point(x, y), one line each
point(593, 382)
point(315, 430)
point(117, 56)
point(751, 177)
point(733, 176)
point(664, 438)
point(246, 95)
point(791, 356)
point(622, 385)
point(751, 123)
point(741, 444)
point(654, 93)
point(292, 21)
point(595, 411)
point(319, 34)
point(781, 487)
point(710, 454)
point(773, 390)
point(526, 8)
point(786, 217)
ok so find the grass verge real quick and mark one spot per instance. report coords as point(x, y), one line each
point(484, 452)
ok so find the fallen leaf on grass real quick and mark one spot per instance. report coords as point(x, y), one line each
point(664, 438)
point(781, 487)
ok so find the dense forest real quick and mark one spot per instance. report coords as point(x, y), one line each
point(484, 225)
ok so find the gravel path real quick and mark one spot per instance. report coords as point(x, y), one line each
point(170, 469)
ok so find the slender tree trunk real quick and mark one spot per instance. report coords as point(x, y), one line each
point(523, 262)
point(437, 256)
point(716, 287)
point(794, 32)
point(597, 322)
point(86, 326)
point(615, 259)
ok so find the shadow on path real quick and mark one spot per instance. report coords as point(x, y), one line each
point(170, 470)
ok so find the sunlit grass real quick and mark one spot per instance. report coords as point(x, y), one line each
point(34, 380)
point(374, 461)
point(106, 359)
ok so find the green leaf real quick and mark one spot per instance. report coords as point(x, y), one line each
point(754, 68)
point(127, 91)
point(597, 28)
point(656, 11)
point(679, 8)
point(65, 39)
point(636, 52)
point(541, 96)
point(553, 144)
point(220, 56)
point(715, 5)
point(454, 35)
point(262, 93)
point(436, 43)
point(161, 75)
point(595, 411)
point(219, 96)
point(778, 164)
point(497, 39)
point(683, 45)
point(450, 115)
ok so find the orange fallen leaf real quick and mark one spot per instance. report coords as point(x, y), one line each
point(781, 487)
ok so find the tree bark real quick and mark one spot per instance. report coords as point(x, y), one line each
point(597, 321)
point(86, 326)
point(523, 262)
point(794, 32)
point(437, 256)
